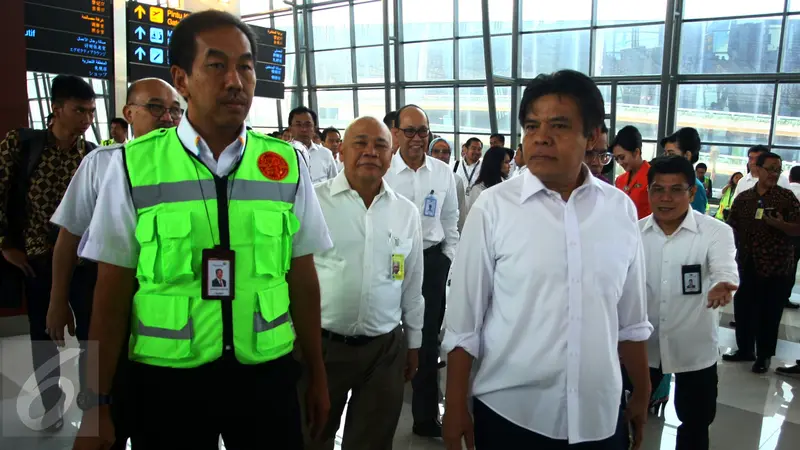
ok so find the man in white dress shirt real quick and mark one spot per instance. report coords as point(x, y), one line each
point(430, 185)
point(544, 308)
point(749, 181)
point(469, 167)
point(151, 104)
point(320, 162)
point(691, 272)
point(439, 148)
point(370, 281)
point(332, 140)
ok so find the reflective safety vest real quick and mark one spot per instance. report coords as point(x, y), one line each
point(725, 203)
point(181, 208)
point(108, 142)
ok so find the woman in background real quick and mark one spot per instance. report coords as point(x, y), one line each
point(494, 169)
point(627, 150)
point(726, 198)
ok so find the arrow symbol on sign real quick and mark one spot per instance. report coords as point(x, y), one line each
point(139, 11)
point(140, 32)
point(139, 53)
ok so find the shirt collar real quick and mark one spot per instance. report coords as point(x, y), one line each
point(340, 184)
point(195, 144)
point(532, 185)
point(399, 165)
point(689, 223)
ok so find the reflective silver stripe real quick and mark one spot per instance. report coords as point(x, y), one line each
point(190, 190)
point(259, 324)
point(262, 190)
point(184, 333)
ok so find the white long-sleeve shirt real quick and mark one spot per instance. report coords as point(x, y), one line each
point(321, 165)
point(433, 178)
point(749, 181)
point(360, 296)
point(545, 290)
point(685, 329)
point(469, 173)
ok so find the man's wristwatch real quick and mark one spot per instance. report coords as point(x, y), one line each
point(88, 399)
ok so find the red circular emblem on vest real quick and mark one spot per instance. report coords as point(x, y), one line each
point(273, 166)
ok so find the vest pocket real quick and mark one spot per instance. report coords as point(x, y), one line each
point(268, 243)
point(162, 327)
point(174, 231)
point(145, 235)
point(272, 324)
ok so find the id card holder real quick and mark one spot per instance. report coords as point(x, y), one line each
point(218, 274)
point(691, 279)
point(759, 213)
point(398, 267)
point(429, 209)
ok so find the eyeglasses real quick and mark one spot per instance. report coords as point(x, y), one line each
point(775, 170)
point(603, 157)
point(157, 110)
point(439, 151)
point(673, 191)
point(410, 132)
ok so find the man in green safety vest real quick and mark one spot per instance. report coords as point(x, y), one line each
point(177, 207)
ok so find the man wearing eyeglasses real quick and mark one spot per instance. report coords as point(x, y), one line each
point(764, 219)
point(429, 184)
point(691, 273)
point(151, 104)
point(599, 156)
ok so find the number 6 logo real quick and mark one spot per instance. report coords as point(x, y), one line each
point(24, 402)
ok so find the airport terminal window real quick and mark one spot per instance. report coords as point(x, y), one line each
point(617, 12)
point(538, 16)
point(371, 102)
point(335, 108)
point(425, 20)
point(637, 50)
point(727, 113)
point(369, 23)
point(331, 28)
point(703, 9)
point(502, 97)
point(787, 123)
point(263, 113)
point(369, 65)
point(438, 103)
point(333, 67)
point(638, 105)
point(791, 49)
point(473, 110)
point(548, 52)
point(428, 61)
point(285, 22)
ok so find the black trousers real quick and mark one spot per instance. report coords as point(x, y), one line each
point(425, 401)
point(695, 404)
point(493, 432)
point(251, 406)
point(43, 349)
point(757, 307)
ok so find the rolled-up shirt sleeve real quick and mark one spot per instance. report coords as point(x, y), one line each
point(412, 303)
point(472, 283)
point(632, 306)
point(111, 236)
point(722, 256)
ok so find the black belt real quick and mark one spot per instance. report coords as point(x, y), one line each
point(434, 249)
point(348, 340)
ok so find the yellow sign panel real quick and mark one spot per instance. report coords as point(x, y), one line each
point(156, 14)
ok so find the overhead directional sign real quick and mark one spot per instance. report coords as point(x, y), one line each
point(69, 37)
point(149, 31)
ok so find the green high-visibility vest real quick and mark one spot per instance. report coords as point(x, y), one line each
point(176, 202)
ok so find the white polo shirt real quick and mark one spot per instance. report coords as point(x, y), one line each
point(319, 159)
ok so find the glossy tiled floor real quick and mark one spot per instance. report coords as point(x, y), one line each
point(754, 412)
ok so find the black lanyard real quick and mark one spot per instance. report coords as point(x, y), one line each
point(464, 169)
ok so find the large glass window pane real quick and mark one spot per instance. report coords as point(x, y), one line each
point(730, 46)
point(372, 102)
point(700, 9)
point(637, 105)
point(471, 58)
point(605, 91)
point(629, 51)
point(427, 61)
point(723, 161)
point(611, 12)
point(331, 28)
point(426, 19)
point(502, 100)
point(473, 110)
point(791, 46)
point(286, 23)
point(553, 16)
point(368, 23)
point(787, 128)
point(727, 113)
point(335, 108)
point(333, 67)
point(290, 70)
point(470, 17)
point(438, 103)
point(264, 113)
point(549, 52)
point(292, 99)
point(794, 5)
point(369, 65)
point(253, 6)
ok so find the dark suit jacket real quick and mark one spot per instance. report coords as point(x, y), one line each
point(216, 283)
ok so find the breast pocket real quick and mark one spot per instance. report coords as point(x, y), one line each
point(401, 249)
